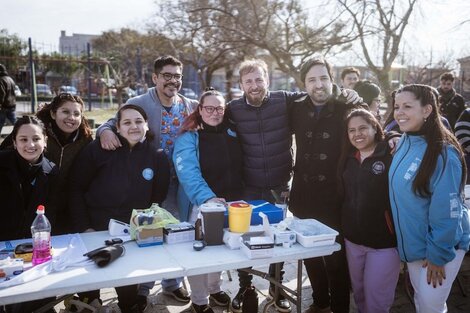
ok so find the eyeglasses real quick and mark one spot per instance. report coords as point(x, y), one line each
point(169, 76)
point(211, 109)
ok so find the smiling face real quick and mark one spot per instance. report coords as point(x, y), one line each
point(361, 134)
point(68, 117)
point(409, 113)
point(132, 126)
point(30, 142)
point(318, 84)
point(168, 88)
point(212, 110)
point(255, 86)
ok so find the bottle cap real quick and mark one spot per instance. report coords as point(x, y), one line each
point(40, 209)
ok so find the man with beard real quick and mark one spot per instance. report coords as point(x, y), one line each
point(317, 122)
point(451, 103)
point(166, 111)
point(262, 127)
point(262, 122)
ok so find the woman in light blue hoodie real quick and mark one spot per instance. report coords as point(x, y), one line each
point(426, 178)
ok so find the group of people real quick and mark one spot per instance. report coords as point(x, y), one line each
point(393, 197)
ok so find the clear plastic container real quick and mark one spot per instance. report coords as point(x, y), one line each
point(41, 232)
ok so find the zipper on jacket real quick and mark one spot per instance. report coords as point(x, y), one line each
point(394, 200)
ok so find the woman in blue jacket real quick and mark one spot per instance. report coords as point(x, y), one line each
point(426, 179)
point(366, 221)
point(208, 162)
point(110, 184)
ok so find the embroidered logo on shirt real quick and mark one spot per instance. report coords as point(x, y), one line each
point(147, 173)
point(231, 133)
point(412, 169)
point(378, 167)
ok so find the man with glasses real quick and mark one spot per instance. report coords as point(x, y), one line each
point(166, 110)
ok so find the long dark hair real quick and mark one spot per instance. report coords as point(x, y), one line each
point(437, 136)
point(44, 114)
point(347, 148)
point(192, 122)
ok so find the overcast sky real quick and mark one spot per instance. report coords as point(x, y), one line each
point(434, 27)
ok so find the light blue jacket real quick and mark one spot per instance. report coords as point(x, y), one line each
point(193, 189)
point(429, 227)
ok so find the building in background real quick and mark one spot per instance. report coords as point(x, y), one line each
point(74, 45)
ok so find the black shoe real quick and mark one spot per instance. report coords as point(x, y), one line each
point(281, 304)
point(237, 302)
point(205, 308)
point(179, 294)
point(220, 298)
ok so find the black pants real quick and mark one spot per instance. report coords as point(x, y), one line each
point(127, 297)
point(329, 278)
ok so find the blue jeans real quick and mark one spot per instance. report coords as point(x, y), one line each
point(7, 114)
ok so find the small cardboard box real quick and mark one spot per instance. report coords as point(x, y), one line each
point(149, 237)
point(258, 245)
point(10, 267)
point(177, 233)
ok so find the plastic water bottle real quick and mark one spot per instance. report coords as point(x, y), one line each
point(41, 231)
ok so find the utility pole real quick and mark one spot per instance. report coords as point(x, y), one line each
point(32, 72)
point(89, 74)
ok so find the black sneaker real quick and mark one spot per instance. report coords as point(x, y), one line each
point(205, 308)
point(179, 294)
point(220, 298)
point(281, 304)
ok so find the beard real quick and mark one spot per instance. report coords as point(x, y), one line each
point(256, 100)
point(319, 97)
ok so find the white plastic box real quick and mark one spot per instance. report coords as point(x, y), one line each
point(177, 233)
point(312, 233)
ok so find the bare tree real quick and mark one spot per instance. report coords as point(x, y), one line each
point(386, 20)
point(236, 29)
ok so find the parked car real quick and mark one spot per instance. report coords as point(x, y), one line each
point(188, 93)
point(69, 89)
point(17, 91)
point(43, 90)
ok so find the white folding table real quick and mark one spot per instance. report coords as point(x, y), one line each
point(140, 265)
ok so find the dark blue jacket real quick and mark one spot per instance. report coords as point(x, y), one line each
point(17, 216)
point(110, 184)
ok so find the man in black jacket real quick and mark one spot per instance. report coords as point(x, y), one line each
point(451, 103)
point(7, 98)
point(317, 120)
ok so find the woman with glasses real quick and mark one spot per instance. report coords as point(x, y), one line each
point(208, 162)
point(427, 178)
